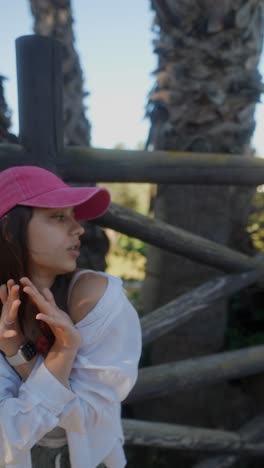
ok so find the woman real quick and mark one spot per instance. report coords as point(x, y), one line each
point(70, 340)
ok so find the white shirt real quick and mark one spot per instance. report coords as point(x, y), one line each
point(103, 373)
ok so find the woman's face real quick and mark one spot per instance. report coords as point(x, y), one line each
point(52, 235)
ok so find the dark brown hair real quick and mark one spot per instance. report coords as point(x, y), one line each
point(14, 256)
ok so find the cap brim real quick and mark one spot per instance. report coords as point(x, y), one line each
point(89, 202)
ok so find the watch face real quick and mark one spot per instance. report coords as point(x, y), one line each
point(28, 351)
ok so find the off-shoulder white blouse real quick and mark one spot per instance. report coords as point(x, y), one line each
point(103, 373)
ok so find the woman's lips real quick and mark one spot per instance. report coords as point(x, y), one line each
point(74, 252)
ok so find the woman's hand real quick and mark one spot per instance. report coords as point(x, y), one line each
point(66, 335)
point(11, 336)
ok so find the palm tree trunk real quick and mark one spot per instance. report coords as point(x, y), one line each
point(207, 86)
point(54, 19)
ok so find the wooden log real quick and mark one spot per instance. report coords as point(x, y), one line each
point(178, 437)
point(82, 165)
point(186, 306)
point(160, 167)
point(165, 379)
point(252, 431)
point(175, 240)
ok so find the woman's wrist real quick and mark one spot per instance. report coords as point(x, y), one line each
point(24, 370)
point(59, 362)
point(10, 349)
point(60, 348)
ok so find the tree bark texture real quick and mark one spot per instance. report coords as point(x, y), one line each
point(53, 18)
point(207, 86)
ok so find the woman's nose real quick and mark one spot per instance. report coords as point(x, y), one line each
point(78, 228)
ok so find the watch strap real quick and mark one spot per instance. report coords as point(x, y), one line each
point(25, 354)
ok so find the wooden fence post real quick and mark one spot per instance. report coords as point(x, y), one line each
point(39, 82)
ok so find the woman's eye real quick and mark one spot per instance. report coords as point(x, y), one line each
point(60, 217)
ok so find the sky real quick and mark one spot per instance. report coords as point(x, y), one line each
point(114, 42)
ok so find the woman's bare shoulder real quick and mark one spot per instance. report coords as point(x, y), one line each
point(85, 294)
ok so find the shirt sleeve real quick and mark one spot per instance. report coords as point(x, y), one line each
point(9, 380)
point(28, 410)
point(106, 366)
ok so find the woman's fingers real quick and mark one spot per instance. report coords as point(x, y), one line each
point(9, 313)
point(13, 300)
point(9, 334)
point(37, 298)
point(10, 316)
point(25, 281)
point(13, 290)
point(48, 296)
point(13, 312)
point(9, 295)
point(33, 292)
point(3, 293)
point(6, 290)
point(52, 321)
point(58, 318)
point(46, 318)
point(10, 285)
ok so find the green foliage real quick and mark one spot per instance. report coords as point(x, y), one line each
point(128, 244)
point(246, 309)
point(131, 195)
point(127, 256)
point(256, 220)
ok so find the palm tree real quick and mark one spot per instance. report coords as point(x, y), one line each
point(53, 18)
point(5, 117)
point(207, 86)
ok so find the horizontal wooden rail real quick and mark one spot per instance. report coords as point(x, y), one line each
point(155, 232)
point(83, 164)
point(175, 240)
point(165, 379)
point(185, 307)
point(252, 431)
point(178, 437)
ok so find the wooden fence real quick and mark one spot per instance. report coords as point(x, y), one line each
point(79, 165)
point(157, 381)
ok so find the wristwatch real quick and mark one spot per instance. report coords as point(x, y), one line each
point(25, 353)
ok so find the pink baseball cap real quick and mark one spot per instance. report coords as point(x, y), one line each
point(35, 186)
